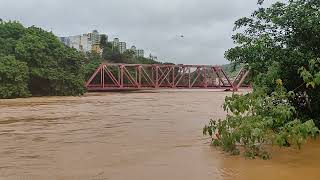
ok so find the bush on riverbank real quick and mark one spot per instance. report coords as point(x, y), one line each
point(281, 46)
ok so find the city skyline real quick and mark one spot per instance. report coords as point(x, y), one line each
point(87, 42)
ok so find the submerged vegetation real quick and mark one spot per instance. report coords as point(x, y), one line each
point(281, 46)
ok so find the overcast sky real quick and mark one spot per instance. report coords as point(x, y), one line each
point(153, 25)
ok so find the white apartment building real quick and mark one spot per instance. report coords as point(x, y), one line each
point(94, 37)
point(83, 42)
point(115, 43)
point(140, 53)
point(122, 47)
point(74, 42)
point(137, 52)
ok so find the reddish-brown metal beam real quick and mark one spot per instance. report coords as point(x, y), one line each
point(147, 77)
point(162, 76)
point(93, 76)
point(111, 76)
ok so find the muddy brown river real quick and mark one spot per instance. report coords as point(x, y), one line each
point(131, 136)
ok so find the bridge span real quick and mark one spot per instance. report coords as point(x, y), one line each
point(109, 77)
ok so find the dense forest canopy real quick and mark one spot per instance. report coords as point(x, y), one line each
point(281, 46)
point(35, 62)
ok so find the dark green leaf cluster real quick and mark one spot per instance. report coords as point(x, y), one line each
point(34, 62)
point(256, 120)
point(14, 76)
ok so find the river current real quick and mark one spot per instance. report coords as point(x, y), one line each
point(131, 136)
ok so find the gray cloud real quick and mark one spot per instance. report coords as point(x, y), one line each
point(155, 26)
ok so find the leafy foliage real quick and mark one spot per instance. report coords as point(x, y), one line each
point(13, 78)
point(52, 68)
point(257, 119)
point(103, 41)
point(286, 35)
point(281, 45)
point(231, 70)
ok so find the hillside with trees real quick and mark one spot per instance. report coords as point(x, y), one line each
point(33, 62)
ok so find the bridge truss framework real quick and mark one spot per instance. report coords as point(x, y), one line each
point(162, 76)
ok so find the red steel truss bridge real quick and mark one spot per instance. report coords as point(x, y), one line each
point(108, 77)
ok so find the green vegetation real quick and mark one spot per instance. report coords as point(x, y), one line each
point(14, 76)
point(113, 55)
point(33, 62)
point(281, 46)
point(231, 70)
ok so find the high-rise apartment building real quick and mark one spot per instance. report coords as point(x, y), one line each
point(137, 52)
point(115, 43)
point(94, 37)
point(65, 40)
point(122, 47)
point(140, 53)
point(85, 43)
point(74, 42)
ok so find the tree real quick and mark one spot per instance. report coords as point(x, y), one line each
point(103, 41)
point(288, 37)
point(281, 46)
point(92, 62)
point(10, 33)
point(53, 69)
point(13, 78)
point(107, 51)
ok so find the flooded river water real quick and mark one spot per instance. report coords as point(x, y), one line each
point(131, 136)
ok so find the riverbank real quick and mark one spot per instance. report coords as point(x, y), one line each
point(156, 135)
